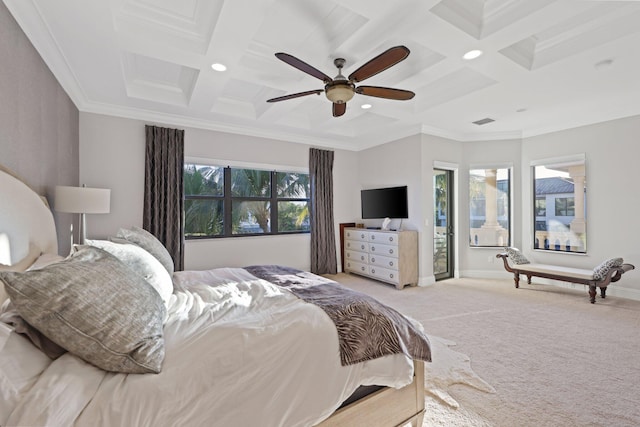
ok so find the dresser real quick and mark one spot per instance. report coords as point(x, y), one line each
point(388, 256)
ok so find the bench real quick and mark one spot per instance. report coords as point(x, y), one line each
point(566, 274)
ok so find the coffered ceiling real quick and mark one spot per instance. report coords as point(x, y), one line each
point(546, 65)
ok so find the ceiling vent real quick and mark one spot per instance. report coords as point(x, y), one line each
point(483, 121)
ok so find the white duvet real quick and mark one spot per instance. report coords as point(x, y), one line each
point(239, 352)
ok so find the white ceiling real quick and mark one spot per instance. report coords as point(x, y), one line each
point(547, 64)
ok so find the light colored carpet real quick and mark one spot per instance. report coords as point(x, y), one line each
point(552, 358)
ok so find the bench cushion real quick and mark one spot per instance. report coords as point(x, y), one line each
point(578, 273)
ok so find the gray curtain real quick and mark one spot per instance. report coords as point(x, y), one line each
point(163, 189)
point(323, 240)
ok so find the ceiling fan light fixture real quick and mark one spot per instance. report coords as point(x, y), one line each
point(339, 93)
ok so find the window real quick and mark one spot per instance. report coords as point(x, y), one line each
point(560, 205)
point(541, 206)
point(226, 202)
point(565, 206)
point(490, 207)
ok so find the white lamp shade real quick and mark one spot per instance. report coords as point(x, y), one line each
point(82, 199)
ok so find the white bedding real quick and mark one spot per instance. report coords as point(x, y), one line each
point(239, 352)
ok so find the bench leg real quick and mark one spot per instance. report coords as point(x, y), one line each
point(603, 292)
point(528, 279)
point(516, 278)
point(592, 294)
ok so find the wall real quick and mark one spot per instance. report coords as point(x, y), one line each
point(481, 262)
point(38, 121)
point(112, 156)
point(409, 161)
point(612, 152)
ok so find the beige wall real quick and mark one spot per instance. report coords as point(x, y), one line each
point(38, 121)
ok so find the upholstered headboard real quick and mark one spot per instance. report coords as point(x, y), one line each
point(27, 228)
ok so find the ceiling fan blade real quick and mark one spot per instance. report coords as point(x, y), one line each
point(339, 109)
point(380, 63)
point(296, 95)
point(385, 92)
point(303, 66)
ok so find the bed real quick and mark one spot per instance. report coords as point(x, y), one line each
point(229, 346)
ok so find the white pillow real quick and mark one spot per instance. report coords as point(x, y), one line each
point(142, 262)
point(150, 243)
point(21, 363)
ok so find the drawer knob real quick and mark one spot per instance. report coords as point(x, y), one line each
point(362, 236)
point(362, 268)
point(373, 248)
point(361, 246)
point(373, 259)
point(391, 238)
point(391, 251)
point(373, 237)
point(362, 257)
point(390, 263)
point(391, 276)
point(373, 270)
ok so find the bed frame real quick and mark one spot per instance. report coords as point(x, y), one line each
point(27, 225)
point(572, 275)
point(387, 407)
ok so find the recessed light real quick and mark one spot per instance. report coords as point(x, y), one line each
point(219, 67)
point(365, 106)
point(472, 54)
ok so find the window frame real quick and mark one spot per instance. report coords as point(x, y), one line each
point(573, 239)
point(228, 199)
point(500, 193)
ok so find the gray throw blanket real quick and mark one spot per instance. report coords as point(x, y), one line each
point(367, 329)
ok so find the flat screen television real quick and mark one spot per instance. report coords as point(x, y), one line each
point(388, 202)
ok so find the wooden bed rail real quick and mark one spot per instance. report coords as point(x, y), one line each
point(556, 273)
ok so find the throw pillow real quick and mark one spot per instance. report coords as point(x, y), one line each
point(516, 256)
point(142, 262)
point(600, 272)
point(96, 307)
point(150, 243)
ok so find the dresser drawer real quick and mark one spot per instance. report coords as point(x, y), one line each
point(385, 250)
point(384, 238)
point(356, 256)
point(356, 267)
point(384, 261)
point(360, 235)
point(356, 245)
point(390, 276)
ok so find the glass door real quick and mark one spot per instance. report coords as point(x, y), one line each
point(443, 224)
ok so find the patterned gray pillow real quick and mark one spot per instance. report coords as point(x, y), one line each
point(142, 262)
point(148, 242)
point(600, 272)
point(516, 256)
point(95, 307)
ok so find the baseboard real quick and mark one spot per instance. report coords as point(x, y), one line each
point(427, 281)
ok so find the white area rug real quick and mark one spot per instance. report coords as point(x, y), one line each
point(449, 367)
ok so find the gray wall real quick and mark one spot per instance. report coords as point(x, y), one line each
point(112, 156)
point(38, 121)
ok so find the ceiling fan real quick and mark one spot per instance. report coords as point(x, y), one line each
point(339, 90)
